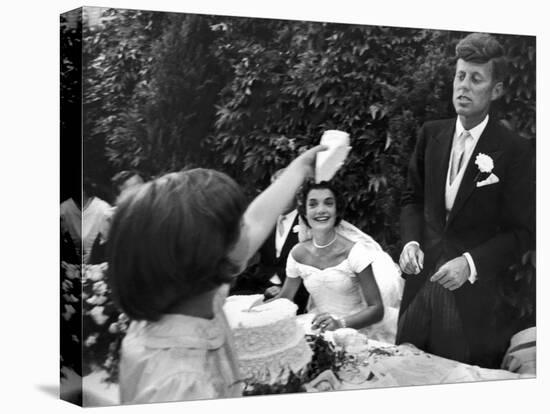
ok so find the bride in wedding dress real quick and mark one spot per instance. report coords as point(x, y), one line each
point(352, 282)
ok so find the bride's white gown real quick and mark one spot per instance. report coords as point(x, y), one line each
point(336, 289)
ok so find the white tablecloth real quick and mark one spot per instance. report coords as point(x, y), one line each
point(382, 365)
point(405, 365)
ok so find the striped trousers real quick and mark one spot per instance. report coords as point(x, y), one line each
point(432, 323)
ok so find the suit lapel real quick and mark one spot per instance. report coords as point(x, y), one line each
point(268, 248)
point(440, 162)
point(487, 144)
point(291, 238)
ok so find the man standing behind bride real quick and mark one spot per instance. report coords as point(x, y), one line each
point(273, 254)
point(467, 215)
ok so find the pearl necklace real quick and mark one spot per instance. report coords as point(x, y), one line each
point(319, 246)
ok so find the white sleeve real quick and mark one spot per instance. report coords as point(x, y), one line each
point(106, 224)
point(471, 264)
point(411, 242)
point(292, 267)
point(386, 273)
point(360, 257)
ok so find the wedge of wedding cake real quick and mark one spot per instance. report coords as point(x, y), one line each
point(268, 340)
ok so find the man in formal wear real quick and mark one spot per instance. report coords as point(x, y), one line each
point(467, 215)
point(267, 269)
point(274, 253)
point(122, 181)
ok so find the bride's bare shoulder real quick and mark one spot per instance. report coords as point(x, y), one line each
point(345, 244)
point(302, 251)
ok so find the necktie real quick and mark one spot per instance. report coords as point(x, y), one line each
point(458, 154)
point(280, 226)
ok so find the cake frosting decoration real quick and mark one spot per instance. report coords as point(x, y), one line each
point(268, 341)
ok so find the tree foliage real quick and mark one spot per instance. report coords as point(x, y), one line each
point(117, 67)
point(171, 91)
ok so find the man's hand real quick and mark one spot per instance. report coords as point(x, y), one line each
point(412, 259)
point(452, 274)
point(271, 292)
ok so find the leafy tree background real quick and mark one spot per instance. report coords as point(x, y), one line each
point(70, 345)
point(167, 91)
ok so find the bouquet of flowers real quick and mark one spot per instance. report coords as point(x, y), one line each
point(104, 325)
point(71, 321)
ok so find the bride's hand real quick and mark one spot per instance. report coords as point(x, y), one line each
point(325, 322)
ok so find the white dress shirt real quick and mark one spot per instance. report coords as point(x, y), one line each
point(280, 239)
point(84, 225)
point(451, 189)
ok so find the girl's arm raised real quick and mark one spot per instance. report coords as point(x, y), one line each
point(261, 215)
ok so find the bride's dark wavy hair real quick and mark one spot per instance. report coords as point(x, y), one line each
point(170, 239)
point(323, 185)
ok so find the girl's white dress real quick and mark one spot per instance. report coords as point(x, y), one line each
point(179, 358)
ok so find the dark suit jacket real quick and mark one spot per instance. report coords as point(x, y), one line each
point(255, 279)
point(270, 264)
point(494, 223)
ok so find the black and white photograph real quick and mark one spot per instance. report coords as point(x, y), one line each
point(273, 208)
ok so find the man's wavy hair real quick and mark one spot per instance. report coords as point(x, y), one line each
point(170, 239)
point(323, 185)
point(483, 48)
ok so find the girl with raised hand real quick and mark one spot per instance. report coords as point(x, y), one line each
point(174, 246)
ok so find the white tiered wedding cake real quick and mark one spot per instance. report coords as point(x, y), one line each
point(268, 341)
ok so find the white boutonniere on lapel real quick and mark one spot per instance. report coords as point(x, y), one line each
point(485, 175)
point(302, 231)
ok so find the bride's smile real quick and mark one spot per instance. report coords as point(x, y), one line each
point(321, 209)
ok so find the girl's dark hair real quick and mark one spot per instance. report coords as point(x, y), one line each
point(170, 239)
point(483, 48)
point(323, 185)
